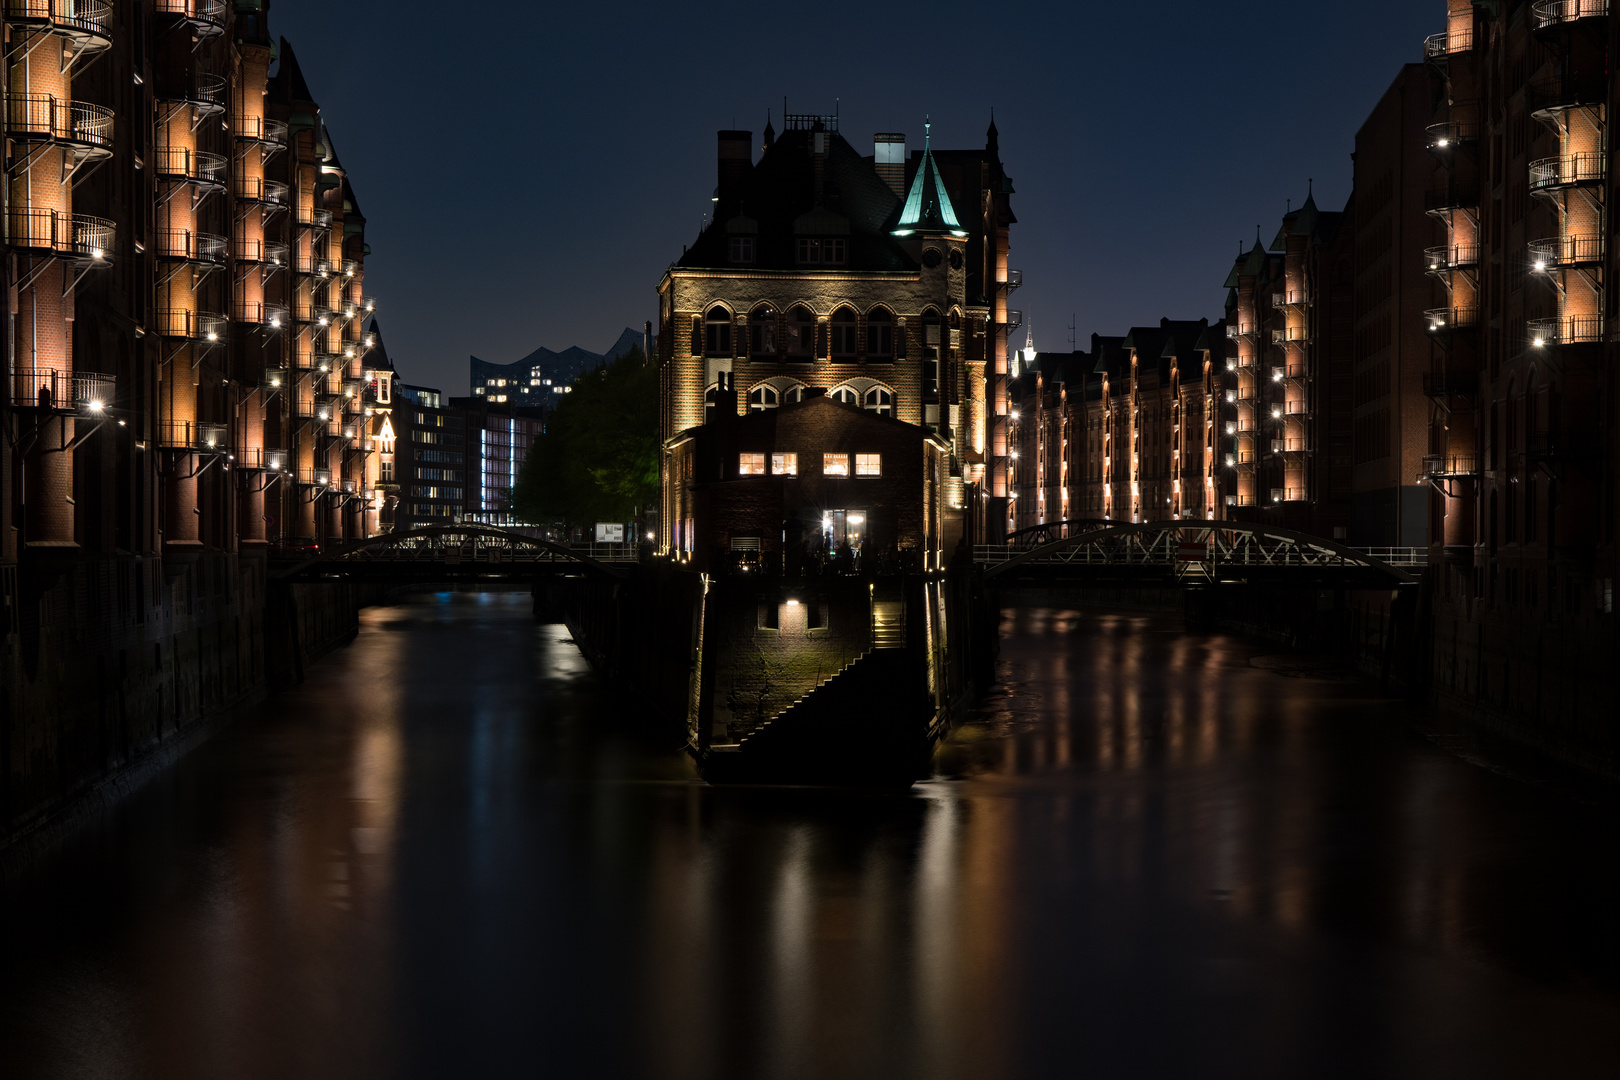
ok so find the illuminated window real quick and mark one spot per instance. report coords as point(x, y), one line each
point(843, 334)
point(868, 464)
point(785, 464)
point(742, 249)
point(717, 332)
point(880, 335)
point(750, 464)
point(880, 401)
point(834, 464)
point(846, 395)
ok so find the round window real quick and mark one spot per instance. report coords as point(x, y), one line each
point(931, 258)
point(956, 260)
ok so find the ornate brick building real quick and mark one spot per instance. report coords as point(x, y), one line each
point(880, 280)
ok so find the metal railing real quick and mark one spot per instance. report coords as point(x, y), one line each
point(194, 325)
point(315, 477)
point(194, 246)
point(193, 435)
point(1398, 556)
point(1557, 251)
point(273, 379)
point(1445, 320)
point(1015, 279)
point(258, 189)
point(1441, 465)
point(1564, 330)
point(1436, 46)
point(1583, 168)
point(83, 16)
point(262, 129)
point(209, 14)
point(1451, 256)
point(79, 235)
point(206, 92)
point(52, 117)
point(60, 391)
point(1449, 134)
point(194, 166)
point(314, 215)
point(351, 267)
point(261, 313)
point(1555, 12)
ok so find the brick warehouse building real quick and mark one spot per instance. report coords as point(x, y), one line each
point(186, 369)
point(791, 488)
point(882, 280)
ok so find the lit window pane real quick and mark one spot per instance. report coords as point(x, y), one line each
point(868, 464)
point(785, 464)
point(750, 464)
point(835, 464)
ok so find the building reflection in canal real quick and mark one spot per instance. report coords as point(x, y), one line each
point(452, 853)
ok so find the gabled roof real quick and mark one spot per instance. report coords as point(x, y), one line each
point(928, 208)
point(295, 89)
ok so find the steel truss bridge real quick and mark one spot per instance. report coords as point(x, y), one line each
point(1190, 554)
point(453, 553)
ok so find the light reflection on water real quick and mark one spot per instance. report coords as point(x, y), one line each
point(449, 853)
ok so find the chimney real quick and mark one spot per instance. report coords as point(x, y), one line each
point(736, 161)
point(725, 401)
point(889, 158)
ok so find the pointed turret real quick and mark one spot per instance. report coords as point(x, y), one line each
point(928, 208)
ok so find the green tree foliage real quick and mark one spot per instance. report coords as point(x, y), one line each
point(598, 458)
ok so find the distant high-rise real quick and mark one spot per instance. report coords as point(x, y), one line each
point(539, 379)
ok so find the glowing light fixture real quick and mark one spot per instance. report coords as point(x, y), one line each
point(95, 406)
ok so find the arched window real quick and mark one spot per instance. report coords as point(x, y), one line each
point(843, 335)
point(801, 333)
point(762, 332)
point(717, 332)
point(880, 401)
point(762, 397)
point(793, 394)
point(930, 365)
point(880, 335)
point(846, 395)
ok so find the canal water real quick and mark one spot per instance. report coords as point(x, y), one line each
point(451, 853)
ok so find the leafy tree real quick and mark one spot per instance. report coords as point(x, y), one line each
point(598, 457)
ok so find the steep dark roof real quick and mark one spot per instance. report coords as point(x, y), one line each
point(378, 356)
point(294, 90)
point(777, 204)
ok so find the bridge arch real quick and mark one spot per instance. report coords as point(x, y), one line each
point(1238, 545)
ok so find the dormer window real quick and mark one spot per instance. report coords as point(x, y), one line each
point(742, 250)
point(827, 252)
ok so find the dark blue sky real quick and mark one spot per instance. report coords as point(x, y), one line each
point(529, 170)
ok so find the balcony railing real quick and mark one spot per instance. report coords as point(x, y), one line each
point(206, 93)
point(193, 166)
point(207, 17)
point(1437, 46)
point(351, 267)
point(61, 391)
point(192, 246)
point(1287, 494)
point(1446, 320)
point(48, 117)
point(274, 378)
point(260, 313)
point(91, 18)
point(1558, 251)
point(1450, 257)
point(258, 189)
point(254, 250)
point(1548, 13)
point(1440, 465)
point(1450, 134)
point(1015, 279)
point(193, 325)
point(315, 477)
point(1568, 170)
point(193, 435)
point(314, 215)
point(78, 236)
point(261, 129)
point(1564, 330)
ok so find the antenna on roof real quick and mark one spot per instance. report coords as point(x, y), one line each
point(1310, 187)
point(1072, 346)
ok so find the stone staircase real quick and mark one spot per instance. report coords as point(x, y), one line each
point(888, 624)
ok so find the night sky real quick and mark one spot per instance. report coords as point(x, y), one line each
point(529, 170)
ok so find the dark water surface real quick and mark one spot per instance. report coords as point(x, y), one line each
point(449, 854)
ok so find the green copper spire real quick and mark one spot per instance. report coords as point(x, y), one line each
point(928, 208)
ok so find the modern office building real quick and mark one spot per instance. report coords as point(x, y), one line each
point(881, 280)
point(541, 378)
